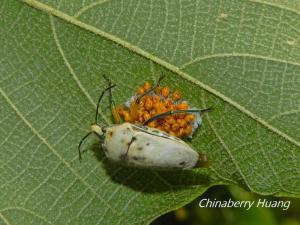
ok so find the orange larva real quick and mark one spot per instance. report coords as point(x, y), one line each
point(150, 101)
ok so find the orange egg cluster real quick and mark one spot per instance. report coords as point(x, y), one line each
point(156, 102)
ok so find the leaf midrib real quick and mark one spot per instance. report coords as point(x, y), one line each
point(47, 9)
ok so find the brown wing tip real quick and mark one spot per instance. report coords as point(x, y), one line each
point(203, 161)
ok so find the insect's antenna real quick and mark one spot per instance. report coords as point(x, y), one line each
point(162, 115)
point(206, 110)
point(162, 76)
point(80, 143)
point(107, 79)
point(99, 100)
point(110, 93)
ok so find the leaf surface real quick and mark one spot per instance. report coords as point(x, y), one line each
point(240, 57)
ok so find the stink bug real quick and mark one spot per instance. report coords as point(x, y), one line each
point(143, 146)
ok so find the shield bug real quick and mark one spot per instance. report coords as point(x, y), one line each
point(143, 146)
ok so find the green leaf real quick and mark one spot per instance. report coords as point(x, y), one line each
point(240, 57)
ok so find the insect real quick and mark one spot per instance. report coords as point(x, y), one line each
point(143, 146)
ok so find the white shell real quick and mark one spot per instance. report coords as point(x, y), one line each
point(147, 147)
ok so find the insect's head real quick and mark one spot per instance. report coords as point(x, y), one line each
point(96, 128)
point(99, 131)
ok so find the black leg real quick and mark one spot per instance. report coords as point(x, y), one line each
point(99, 100)
point(150, 90)
point(162, 115)
point(113, 109)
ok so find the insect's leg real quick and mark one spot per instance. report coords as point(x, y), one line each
point(113, 107)
point(151, 89)
point(99, 100)
point(80, 143)
point(162, 115)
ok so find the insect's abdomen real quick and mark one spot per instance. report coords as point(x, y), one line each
point(161, 153)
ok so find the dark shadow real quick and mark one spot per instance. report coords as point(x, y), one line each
point(156, 180)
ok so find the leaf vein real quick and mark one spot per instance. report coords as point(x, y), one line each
point(146, 27)
point(39, 186)
point(90, 6)
point(164, 26)
point(4, 219)
point(68, 65)
point(227, 149)
point(52, 149)
point(132, 19)
point(178, 31)
point(27, 211)
point(275, 6)
point(175, 69)
point(227, 55)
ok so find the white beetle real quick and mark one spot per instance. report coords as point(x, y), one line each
point(142, 146)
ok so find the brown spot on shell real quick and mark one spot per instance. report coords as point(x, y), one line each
point(138, 158)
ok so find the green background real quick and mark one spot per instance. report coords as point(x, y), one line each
point(240, 57)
